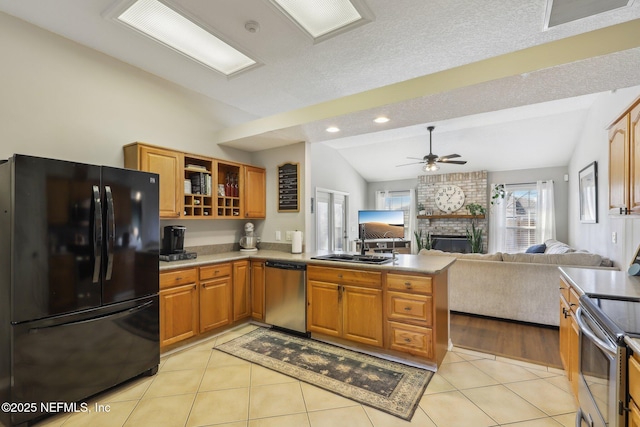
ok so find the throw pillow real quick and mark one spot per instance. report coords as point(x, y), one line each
point(536, 249)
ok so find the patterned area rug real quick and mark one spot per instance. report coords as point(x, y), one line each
point(388, 386)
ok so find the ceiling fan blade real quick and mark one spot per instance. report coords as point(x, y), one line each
point(407, 164)
point(450, 156)
point(415, 158)
point(454, 162)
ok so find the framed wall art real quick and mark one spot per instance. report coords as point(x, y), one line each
point(588, 187)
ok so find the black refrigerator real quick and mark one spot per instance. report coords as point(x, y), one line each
point(79, 282)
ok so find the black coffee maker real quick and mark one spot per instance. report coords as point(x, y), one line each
point(173, 239)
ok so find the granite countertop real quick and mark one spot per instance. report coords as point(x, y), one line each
point(603, 282)
point(408, 263)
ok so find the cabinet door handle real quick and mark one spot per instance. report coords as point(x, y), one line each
point(339, 276)
point(408, 285)
point(178, 278)
point(407, 309)
point(407, 340)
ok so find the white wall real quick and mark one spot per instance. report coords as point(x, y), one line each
point(62, 100)
point(592, 146)
point(329, 170)
point(281, 221)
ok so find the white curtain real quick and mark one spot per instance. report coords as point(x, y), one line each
point(497, 225)
point(380, 199)
point(412, 220)
point(546, 226)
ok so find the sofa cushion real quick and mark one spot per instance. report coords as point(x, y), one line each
point(556, 247)
point(536, 249)
point(483, 257)
point(573, 258)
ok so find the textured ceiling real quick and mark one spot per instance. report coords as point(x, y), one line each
point(406, 40)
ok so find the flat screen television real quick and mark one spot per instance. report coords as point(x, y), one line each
point(380, 224)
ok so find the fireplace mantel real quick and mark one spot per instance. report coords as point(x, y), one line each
point(449, 216)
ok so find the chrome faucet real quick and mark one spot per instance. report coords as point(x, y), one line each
point(393, 248)
point(393, 244)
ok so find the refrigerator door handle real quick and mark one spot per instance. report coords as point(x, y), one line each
point(111, 231)
point(97, 233)
point(113, 316)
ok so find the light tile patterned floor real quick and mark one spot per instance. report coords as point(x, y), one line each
point(204, 387)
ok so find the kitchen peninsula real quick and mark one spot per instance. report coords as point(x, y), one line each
point(397, 309)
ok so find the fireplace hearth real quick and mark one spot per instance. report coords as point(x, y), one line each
point(450, 243)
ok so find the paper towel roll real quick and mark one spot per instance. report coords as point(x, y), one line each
point(296, 242)
point(634, 269)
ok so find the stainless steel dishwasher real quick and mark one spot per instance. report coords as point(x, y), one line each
point(285, 301)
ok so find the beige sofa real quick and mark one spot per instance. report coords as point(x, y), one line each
point(521, 287)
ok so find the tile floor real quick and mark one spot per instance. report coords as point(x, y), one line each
point(204, 387)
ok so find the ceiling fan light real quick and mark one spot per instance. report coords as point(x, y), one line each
point(430, 167)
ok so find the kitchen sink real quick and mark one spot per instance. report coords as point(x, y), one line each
point(362, 259)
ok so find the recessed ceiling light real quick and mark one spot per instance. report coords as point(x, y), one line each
point(333, 129)
point(381, 119)
point(163, 24)
point(324, 18)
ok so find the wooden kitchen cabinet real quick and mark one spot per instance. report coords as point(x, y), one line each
point(410, 314)
point(257, 289)
point(168, 165)
point(255, 194)
point(215, 296)
point(634, 391)
point(243, 193)
point(198, 203)
point(241, 290)
point(178, 306)
point(345, 303)
point(624, 162)
point(569, 334)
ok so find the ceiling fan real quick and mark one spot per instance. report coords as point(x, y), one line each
point(430, 160)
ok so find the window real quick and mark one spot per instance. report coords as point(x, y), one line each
point(396, 200)
point(524, 217)
point(520, 218)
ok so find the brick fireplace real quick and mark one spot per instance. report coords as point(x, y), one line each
point(436, 222)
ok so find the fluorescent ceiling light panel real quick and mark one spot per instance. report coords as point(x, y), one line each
point(165, 25)
point(320, 17)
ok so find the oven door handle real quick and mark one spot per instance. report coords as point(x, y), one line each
point(604, 346)
point(580, 417)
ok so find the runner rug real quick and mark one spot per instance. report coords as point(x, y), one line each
point(391, 387)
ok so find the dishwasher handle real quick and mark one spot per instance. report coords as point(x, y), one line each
point(284, 265)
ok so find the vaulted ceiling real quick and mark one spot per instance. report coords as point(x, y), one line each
point(486, 73)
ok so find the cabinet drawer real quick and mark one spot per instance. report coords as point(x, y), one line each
point(215, 271)
point(345, 276)
point(634, 379)
point(411, 339)
point(178, 277)
point(405, 282)
point(409, 307)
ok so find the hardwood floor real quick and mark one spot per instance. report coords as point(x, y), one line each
point(515, 340)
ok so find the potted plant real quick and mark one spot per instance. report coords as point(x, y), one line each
point(475, 234)
point(421, 210)
point(422, 243)
point(497, 193)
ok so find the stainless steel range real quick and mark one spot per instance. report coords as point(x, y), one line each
point(602, 393)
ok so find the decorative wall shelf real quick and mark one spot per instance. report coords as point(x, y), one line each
point(449, 216)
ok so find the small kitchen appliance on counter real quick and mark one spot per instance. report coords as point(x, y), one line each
point(249, 242)
point(173, 244)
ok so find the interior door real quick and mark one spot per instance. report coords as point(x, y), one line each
point(132, 234)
